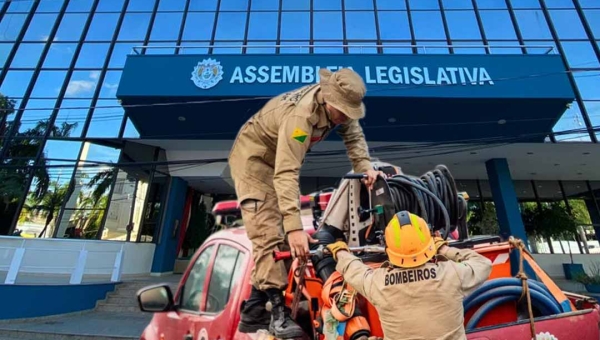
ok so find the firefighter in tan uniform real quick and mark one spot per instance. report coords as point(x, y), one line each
point(265, 163)
point(416, 283)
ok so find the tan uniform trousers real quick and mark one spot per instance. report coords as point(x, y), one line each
point(263, 220)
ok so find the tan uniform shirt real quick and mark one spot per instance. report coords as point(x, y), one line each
point(270, 148)
point(420, 303)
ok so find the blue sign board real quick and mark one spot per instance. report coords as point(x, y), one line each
point(416, 76)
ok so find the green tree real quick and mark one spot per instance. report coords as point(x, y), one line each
point(50, 204)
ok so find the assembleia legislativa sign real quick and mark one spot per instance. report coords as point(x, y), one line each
point(209, 72)
point(372, 75)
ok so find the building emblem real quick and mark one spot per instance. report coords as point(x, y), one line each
point(207, 73)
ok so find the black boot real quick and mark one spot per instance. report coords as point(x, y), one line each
point(254, 316)
point(282, 326)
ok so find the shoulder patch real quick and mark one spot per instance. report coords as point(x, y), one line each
point(299, 135)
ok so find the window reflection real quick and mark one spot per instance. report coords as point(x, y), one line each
point(497, 25)
point(295, 25)
point(390, 4)
point(226, 31)
point(525, 4)
point(397, 48)
point(28, 55)
point(166, 26)
point(130, 130)
point(362, 48)
point(423, 4)
point(358, 5)
point(36, 115)
point(567, 24)
point(140, 5)
point(173, 5)
point(360, 26)
point(292, 47)
point(327, 25)
point(592, 16)
point(221, 279)
point(430, 47)
point(593, 110)
point(48, 84)
point(102, 27)
point(394, 25)
point(324, 5)
point(328, 47)
point(73, 112)
point(60, 55)
point(571, 120)
point(457, 4)
point(469, 47)
point(463, 25)
point(15, 83)
point(4, 51)
point(491, 4)
point(134, 27)
point(110, 6)
point(227, 47)
point(263, 26)
point(19, 6)
point(40, 27)
point(505, 47)
point(50, 6)
point(193, 31)
point(301, 5)
point(559, 3)
point(120, 52)
point(92, 55)
point(80, 6)
point(428, 25)
point(580, 54)
point(265, 5)
point(71, 27)
point(234, 5)
point(82, 84)
point(588, 84)
point(532, 24)
point(110, 84)
point(10, 26)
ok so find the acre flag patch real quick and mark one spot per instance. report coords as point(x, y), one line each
point(299, 135)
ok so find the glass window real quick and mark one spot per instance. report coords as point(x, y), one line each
point(82, 84)
point(141, 5)
point(532, 24)
point(497, 25)
point(571, 120)
point(49, 6)
point(360, 26)
point(234, 5)
point(227, 31)
point(228, 47)
point(110, 84)
point(4, 51)
point(559, 3)
point(193, 288)
point(430, 47)
point(428, 25)
point(130, 130)
point(591, 16)
point(263, 26)
point(120, 52)
point(362, 48)
point(40, 26)
point(92, 55)
point(328, 47)
point(223, 278)
point(193, 48)
point(71, 27)
point(580, 54)
point(48, 84)
point(567, 24)
point(73, 112)
point(261, 47)
point(327, 25)
point(469, 47)
point(324, 5)
point(504, 47)
point(358, 5)
point(589, 4)
point(588, 84)
point(297, 5)
point(80, 6)
point(295, 25)
point(102, 27)
point(60, 55)
point(161, 48)
point(10, 26)
point(135, 26)
point(265, 5)
point(593, 111)
point(390, 4)
point(525, 4)
point(15, 83)
point(166, 26)
point(106, 120)
point(110, 6)
point(491, 4)
point(457, 4)
point(294, 47)
point(19, 6)
point(203, 5)
point(193, 31)
point(28, 55)
point(462, 25)
point(540, 47)
point(423, 4)
point(394, 25)
point(172, 5)
point(36, 111)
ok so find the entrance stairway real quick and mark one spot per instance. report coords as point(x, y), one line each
point(117, 317)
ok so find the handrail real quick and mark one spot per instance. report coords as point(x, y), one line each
point(550, 48)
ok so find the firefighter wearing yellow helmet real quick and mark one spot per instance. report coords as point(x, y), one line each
point(416, 285)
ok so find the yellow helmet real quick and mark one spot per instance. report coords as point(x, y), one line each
point(408, 240)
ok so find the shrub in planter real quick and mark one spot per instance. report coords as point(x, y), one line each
point(591, 281)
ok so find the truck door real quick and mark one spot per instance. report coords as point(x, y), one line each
point(220, 317)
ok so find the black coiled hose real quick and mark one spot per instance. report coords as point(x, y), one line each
point(441, 183)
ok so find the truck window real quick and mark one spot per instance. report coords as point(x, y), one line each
point(194, 284)
point(225, 274)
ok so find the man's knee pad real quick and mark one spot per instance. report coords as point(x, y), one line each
point(357, 327)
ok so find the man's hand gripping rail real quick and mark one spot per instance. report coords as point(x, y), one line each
point(284, 255)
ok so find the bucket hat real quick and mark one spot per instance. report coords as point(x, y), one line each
point(344, 90)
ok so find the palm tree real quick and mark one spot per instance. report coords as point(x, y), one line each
point(50, 203)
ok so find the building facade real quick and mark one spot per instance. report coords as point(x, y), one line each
point(74, 164)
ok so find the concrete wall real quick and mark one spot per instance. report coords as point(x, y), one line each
point(553, 263)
